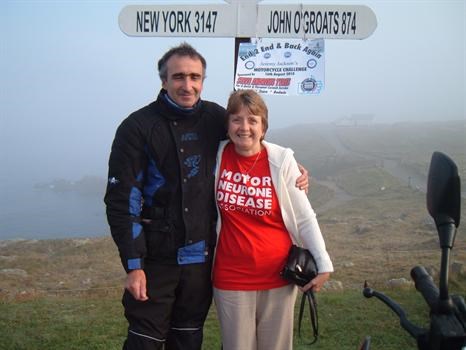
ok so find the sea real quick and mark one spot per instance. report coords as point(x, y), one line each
point(27, 212)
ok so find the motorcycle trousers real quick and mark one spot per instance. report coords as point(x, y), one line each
point(174, 315)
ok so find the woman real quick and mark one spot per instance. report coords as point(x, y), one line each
point(261, 214)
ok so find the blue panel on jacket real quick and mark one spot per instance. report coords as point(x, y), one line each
point(192, 254)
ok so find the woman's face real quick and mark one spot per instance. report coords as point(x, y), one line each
point(245, 131)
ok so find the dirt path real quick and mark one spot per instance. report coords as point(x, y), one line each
point(392, 166)
point(340, 196)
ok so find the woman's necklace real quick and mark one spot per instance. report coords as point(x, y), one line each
point(253, 164)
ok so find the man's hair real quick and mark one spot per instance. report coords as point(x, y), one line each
point(250, 100)
point(184, 49)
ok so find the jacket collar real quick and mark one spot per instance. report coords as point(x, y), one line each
point(174, 111)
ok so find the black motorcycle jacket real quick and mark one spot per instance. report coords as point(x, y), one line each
point(160, 191)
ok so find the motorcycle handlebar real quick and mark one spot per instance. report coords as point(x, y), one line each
point(412, 329)
point(425, 285)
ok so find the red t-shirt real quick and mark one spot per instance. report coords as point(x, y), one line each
point(253, 243)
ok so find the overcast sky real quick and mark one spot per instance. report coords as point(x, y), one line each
point(69, 76)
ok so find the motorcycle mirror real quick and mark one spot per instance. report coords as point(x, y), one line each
point(444, 195)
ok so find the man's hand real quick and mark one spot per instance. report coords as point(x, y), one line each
point(302, 182)
point(136, 284)
point(316, 284)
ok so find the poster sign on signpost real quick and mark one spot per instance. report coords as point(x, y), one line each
point(281, 66)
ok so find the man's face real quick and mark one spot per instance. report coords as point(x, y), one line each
point(184, 80)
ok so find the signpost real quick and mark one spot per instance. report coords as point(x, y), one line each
point(246, 19)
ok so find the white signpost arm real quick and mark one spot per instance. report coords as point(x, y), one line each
point(249, 19)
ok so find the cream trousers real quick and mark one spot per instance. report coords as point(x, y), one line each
point(256, 320)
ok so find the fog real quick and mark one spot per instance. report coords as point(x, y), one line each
point(69, 76)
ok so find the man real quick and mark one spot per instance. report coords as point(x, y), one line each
point(161, 208)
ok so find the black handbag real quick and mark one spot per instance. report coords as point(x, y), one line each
point(300, 268)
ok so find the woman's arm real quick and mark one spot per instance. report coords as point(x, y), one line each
point(309, 233)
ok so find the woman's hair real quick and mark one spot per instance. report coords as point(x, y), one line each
point(250, 100)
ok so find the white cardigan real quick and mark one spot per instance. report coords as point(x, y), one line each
point(298, 215)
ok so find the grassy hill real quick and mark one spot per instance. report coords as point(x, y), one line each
point(410, 144)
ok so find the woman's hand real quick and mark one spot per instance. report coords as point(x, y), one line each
point(316, 284)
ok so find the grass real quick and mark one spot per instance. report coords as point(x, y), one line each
point(365, 181)
point(347, 318)
point(62, 323)
point(93, 322)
